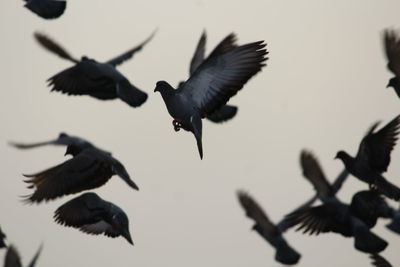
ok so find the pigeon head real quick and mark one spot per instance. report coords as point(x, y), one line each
point(392, 83)
point(73, 150)
point(120, 222)
point(62, 135)
point(163, 86)
point(341, 155)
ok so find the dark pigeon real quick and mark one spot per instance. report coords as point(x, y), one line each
point(332, 215)
point(284, 253)
point(2, 239)
point(226, 112)
point(379, 261)
point(93, 215)
point(89, 77)
point(12, 258)
point(63, 139)
point(392, 49)
point(394, 225)
point(212, 84)
point(373, 158)
point(89, 168)
point(47, 9)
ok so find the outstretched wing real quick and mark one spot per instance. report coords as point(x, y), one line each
point(53, 47)
point(312, 220)
point(12, 258)
point(35, 257)
point(392, 49)
point(227, 44)
point(128, 54)
point(219, 78)
point(199, 54)
point(47, 9)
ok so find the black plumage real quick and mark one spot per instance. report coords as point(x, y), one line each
point(284, 252)
point(47, 9)
point(212, 84)
point(373, 158)
point(89, 77)
point(93, 215)
point(392, 48)
point(2, 239)
point(89, 168)
point(379, 261)
point(394, 224)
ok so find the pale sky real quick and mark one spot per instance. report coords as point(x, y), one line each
point(324, 85)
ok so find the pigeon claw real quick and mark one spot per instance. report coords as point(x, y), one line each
point(177, 125)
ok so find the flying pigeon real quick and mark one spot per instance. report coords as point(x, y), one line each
point(373, 158)
point(332, 215)
point(63, 139)
point(211, 85)
point(47, 9)
point(12, 258)
point(89, 168)
point(284, 253)
point(226, 112)
point(89, 77)
point(379, 261)
point(392, 49)
point(93, 215)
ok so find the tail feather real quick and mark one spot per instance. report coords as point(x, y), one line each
point(388, 189)
point(368, 242)
point(130, 94)
point(287, 255)
point(394, 225)
point(223, 114)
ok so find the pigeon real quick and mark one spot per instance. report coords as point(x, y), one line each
point(93, 215)
point(63, 139)
point(47, 9)
point(225, 112)
point(284, 252)
point(12, 258)
point(392, 48)
point(89, 77)
point(332, 215)
point(2, 239)
point(379, 261)
point(211, 85)
point(373, 158)
point(89, 168)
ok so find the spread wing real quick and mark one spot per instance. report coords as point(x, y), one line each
point(53, 47)
point(379, 261)
point(199, 54)
point(35, 257)
point(129, 54)
point(311, 220)
point(227, 44)
point(313, 172)
point(80, 173)
point(12, 258)
point(219, 78)
point(63, 140)
point(392, 49)
point(375, 148)
point(47, 9)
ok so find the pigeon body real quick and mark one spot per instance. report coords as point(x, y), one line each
point(284, 252)
point(90, 77)
point(373, 158)
point(93, 215)
point(211, 86)
point(47, 9)
point(89, 168)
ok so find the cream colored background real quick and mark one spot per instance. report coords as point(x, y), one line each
point(323, 87)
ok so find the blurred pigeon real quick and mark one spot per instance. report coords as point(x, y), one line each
point(2, 239)
point(93, 215)
point(89, 168)
point(392, 49)
point(225, 112)
point(373, 158)
point(284, 253)
point(63, 140)
point(12, 258)
point(47, 9)
point(379, 261)
point(89, 77)
point(394, 225)
point(212, 84)
point(332, 215)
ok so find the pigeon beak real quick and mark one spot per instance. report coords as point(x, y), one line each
point(127, 236)
point(156, 90)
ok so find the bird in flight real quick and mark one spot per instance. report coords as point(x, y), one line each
point(391, 42)
point(211, 85)
point(47, 9)
point(373, 158)
point(93, 215)
point(89, 77)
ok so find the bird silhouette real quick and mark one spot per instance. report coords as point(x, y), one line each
point(93, 215)
point(47, 9)
point(333, 215)
point(225, 112)
point(13, 259)
point(392, 48)
point(89, 77)
point(268, 230)
point(89, 168)
point(212, 84)
point(373, 158)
